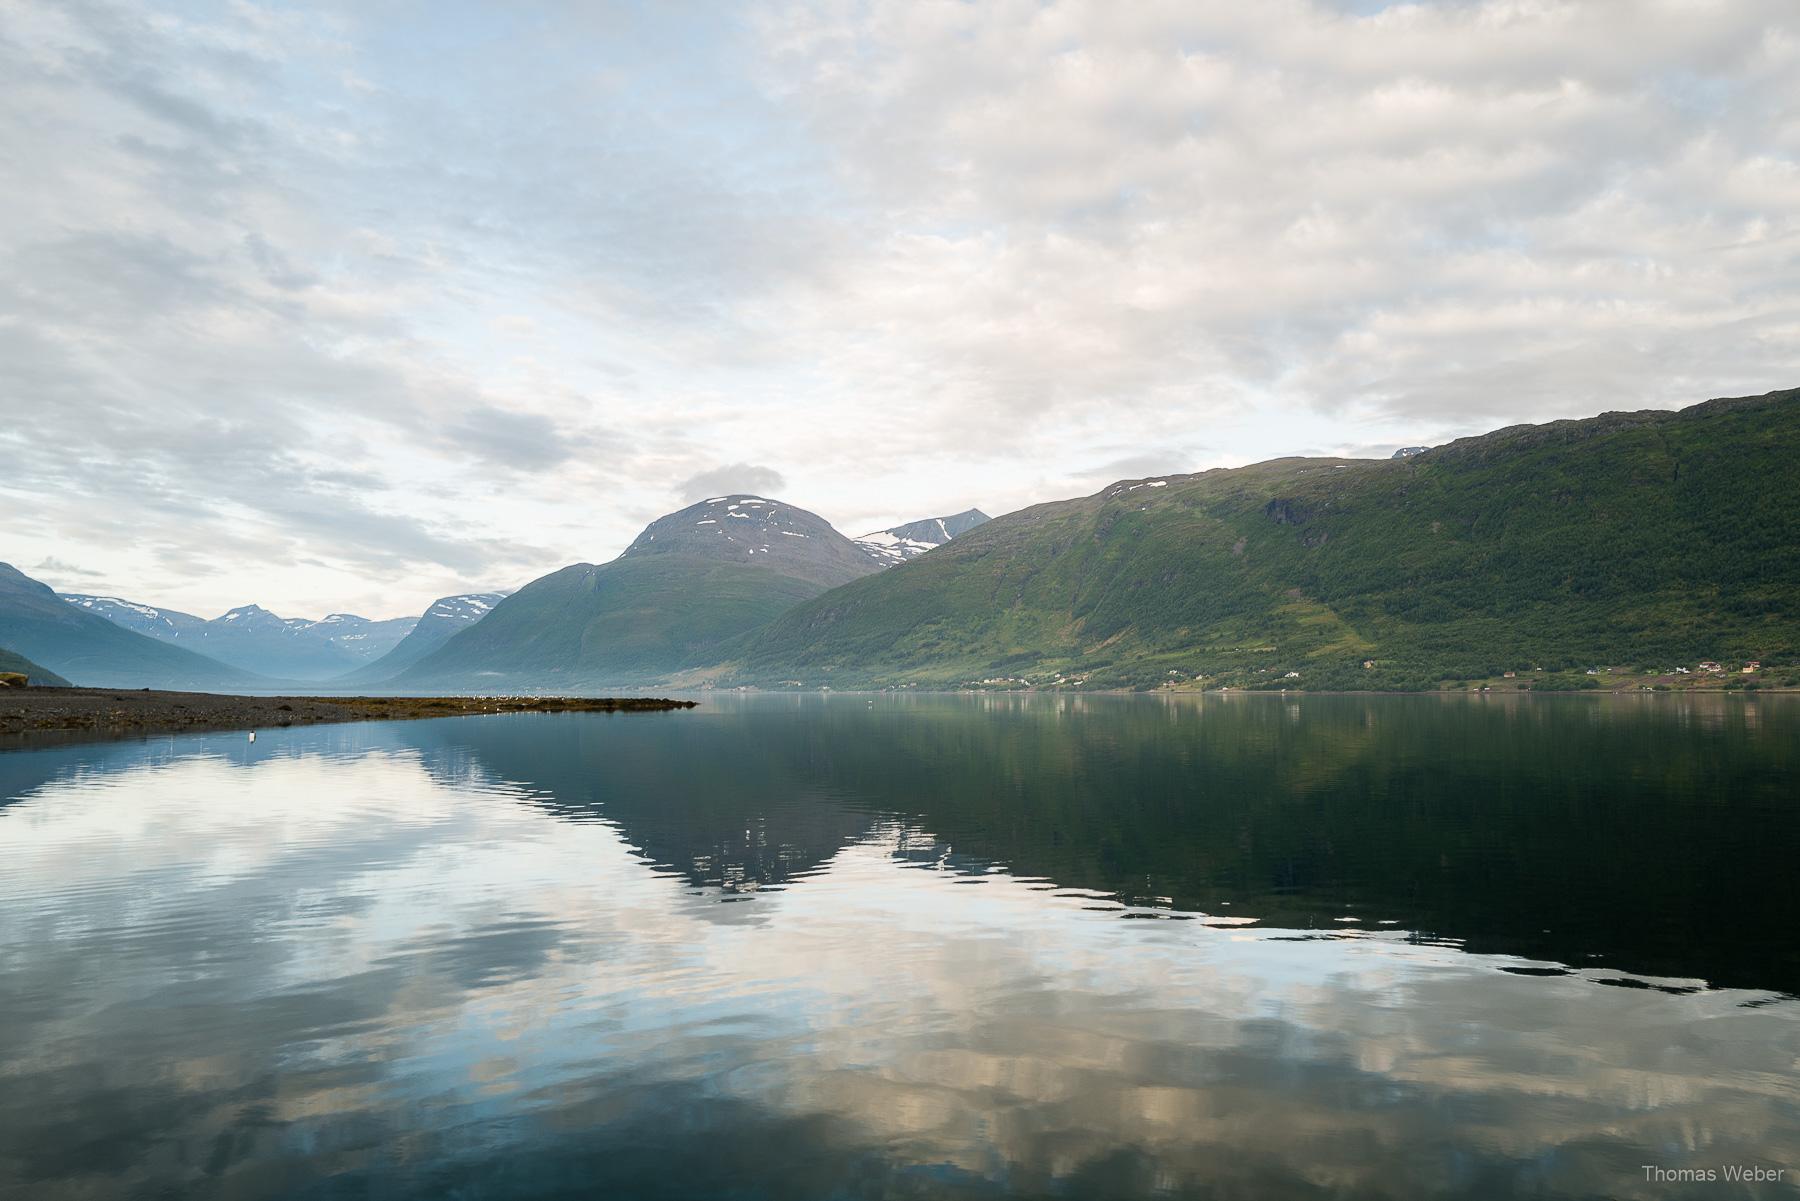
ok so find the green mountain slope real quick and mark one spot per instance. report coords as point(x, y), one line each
point(41, 677)
point(1627, 538)
point(90, 650)
point(691, 582)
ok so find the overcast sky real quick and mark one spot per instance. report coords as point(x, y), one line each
point(347, 307)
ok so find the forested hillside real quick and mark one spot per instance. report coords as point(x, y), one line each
point(1632, 538)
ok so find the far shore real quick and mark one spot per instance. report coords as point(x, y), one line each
point(31, 714)
point(117, 711)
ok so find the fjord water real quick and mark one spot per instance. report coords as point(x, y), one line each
point(795, 947)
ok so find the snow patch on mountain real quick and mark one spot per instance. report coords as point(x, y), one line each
point(899, 543)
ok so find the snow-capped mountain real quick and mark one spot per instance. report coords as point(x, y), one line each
point(447, 615)
point(254, 639)
point(755, 530)
point(251, 637)
point(902, 542)
point(693, 581)
point(460, 610)
point(80, 643)
point(247, 618)
point(800, 550)
point(363, 638)
point(164, 624)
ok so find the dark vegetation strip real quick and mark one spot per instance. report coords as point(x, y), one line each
point(105, 710)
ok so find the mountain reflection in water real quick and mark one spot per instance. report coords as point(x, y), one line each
point(918, 946)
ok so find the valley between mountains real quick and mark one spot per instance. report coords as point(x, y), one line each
point(1633, 549)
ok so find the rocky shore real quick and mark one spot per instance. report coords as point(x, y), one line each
point(26, 711)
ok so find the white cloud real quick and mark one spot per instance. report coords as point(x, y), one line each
point(1185, 205)
point(730, 479)
point(314, 309)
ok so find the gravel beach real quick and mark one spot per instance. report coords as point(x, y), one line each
point(27, 711)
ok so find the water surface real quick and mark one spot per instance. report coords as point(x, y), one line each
point(795, 947)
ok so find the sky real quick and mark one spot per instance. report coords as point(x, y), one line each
point(344, 307)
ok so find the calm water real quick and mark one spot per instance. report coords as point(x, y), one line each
point(912, 947)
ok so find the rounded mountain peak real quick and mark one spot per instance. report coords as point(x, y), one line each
point(248, 612)
point(759, 531)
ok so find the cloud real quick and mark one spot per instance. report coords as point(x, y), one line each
point(525, 441)
point(1434, 209)
point(732, 478)
point(1139, 467)
point(56, 568)
point(215, 364)
point(283, 288)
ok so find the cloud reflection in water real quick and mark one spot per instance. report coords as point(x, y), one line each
point(374, 961)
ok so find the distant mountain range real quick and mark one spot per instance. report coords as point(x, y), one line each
point(689, 583)
point(110, 641)
point(1635, 539)
point(253, 639)
point(87, 648)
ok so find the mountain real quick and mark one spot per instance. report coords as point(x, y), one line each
point(753, 530)
point(87, 648)
point(447, 615)
point(165, 625)
point(40, 677)
point(254, 639)
point(362, 638)
point(1638, 538)
point(899, 543)
point(690, 582)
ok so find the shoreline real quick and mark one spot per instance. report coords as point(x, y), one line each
point(26, 712)
point(1762, 690)
point(29, 716)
